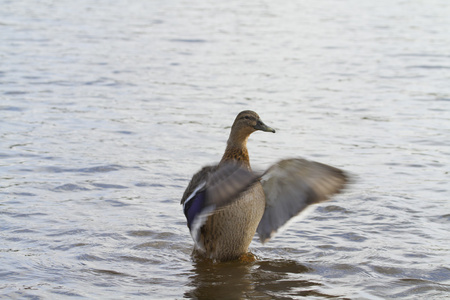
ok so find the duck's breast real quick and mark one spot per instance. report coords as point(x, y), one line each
point(228, 233)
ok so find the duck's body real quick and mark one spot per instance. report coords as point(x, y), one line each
point(226, 204)
point(228, 233)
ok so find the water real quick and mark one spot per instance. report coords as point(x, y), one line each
point(107, 109)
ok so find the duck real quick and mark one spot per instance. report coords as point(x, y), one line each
point(228, 203)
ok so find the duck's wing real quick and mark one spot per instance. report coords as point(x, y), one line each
point(211, 189)
point(226, 183)
point(290, 186)
point(198, 179)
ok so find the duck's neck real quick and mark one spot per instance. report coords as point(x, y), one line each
point(237, 151)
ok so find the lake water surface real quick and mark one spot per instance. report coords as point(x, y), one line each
point(107, 108)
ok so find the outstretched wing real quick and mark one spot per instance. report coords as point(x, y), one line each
point(211, 189)
point(290, 186)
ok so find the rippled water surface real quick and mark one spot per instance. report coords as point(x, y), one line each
point(108, 108)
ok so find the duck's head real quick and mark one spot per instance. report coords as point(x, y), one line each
point(246, 123)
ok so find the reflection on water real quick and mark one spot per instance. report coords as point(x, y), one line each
point(210, 280)
point(260, 279)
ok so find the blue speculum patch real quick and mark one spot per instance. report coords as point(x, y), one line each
point(194, 207)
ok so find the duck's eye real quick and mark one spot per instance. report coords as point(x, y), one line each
point(247, 117)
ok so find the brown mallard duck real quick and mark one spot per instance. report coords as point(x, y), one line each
point(227, 203)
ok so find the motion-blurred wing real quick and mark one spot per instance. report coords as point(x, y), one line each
point(290, 186)
point(227, 182)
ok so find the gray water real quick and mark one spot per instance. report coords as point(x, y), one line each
point(107, 108)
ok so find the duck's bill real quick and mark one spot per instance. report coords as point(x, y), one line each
point(263, 127)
